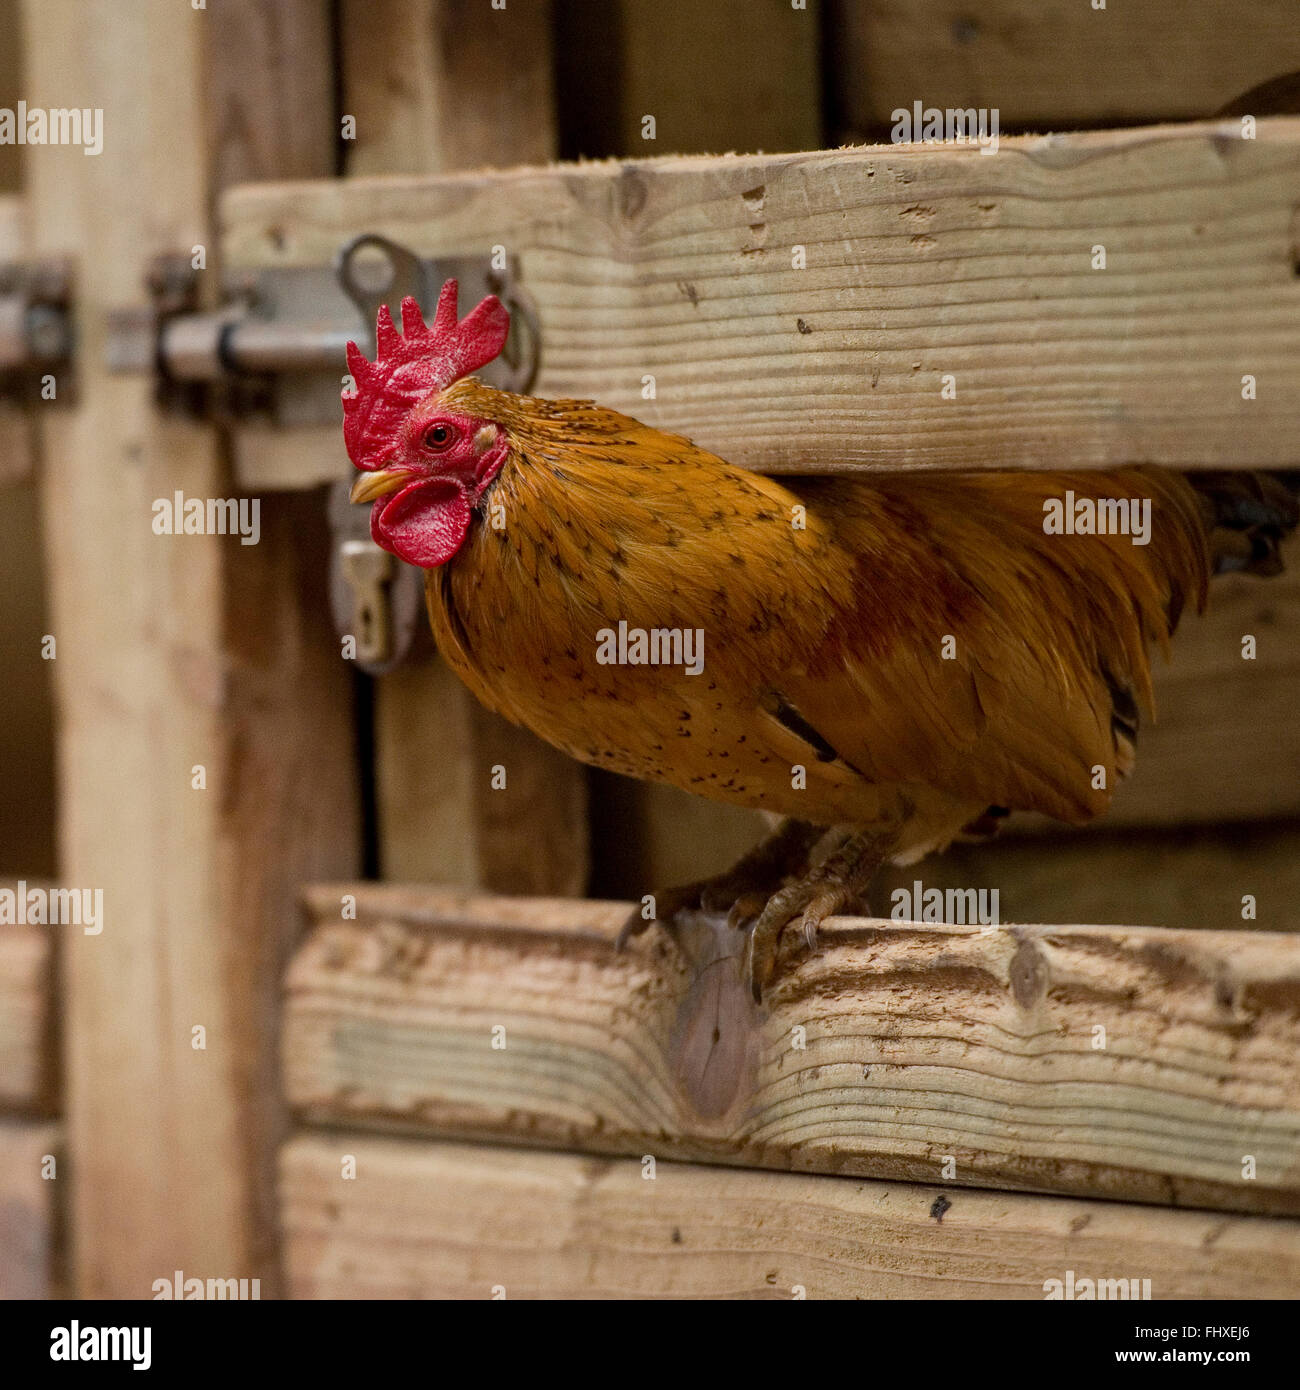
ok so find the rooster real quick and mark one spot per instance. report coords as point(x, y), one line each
point(890, 662)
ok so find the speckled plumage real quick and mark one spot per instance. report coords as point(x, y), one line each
point(823, 646)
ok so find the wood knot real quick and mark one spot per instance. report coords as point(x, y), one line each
point(1028, 974)
point(629, 192)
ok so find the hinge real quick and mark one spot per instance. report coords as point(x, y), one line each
point(36, 331)
point(275, 348)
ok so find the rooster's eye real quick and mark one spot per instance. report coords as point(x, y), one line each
point(439, 436)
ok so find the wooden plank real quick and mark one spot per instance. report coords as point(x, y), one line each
point(444, 817)
point(174, 652)
point(1163, 878)
point(431, 1220)
point(28, 1067)
point(454, 84)
point(729, 75)
point(893, 1049)
point(290, 808)
point(290, 780)
point(460, 85)
point(922, 262)
point(1052, 63)
point(27, 812)
point(265, 109)
point(138, 682)
point(1157, 876)
point(29, 1201)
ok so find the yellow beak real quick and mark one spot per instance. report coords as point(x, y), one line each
point(380, 483)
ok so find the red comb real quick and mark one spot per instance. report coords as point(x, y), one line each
point(408, 368)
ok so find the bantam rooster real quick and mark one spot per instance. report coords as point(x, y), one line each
point(890, 662)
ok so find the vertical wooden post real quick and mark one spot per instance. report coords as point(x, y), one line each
point(457, 85)
point(205, 762)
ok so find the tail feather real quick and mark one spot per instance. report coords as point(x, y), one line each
point(1248, 516)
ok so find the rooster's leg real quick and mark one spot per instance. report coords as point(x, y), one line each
point(839, 881)
point(740, 892)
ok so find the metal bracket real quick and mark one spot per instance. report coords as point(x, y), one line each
point(276, 349)
point(36, 330)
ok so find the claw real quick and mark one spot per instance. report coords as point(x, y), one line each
point(667, 906)
point(811, 902)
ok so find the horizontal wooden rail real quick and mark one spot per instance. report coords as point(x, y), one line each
point(805, 312)
point(1056, 62)
point(421, 1219)
point(1124, 1062)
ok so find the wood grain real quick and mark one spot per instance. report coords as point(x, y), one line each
point(270, 94)
point(28, 1070)
point(174, 652)
point(460, 85)
point(138, 683)
point(452, 84)
point(1054, 63)
point(919, 1043)
point(431, 1220)
point(729, 75)
point(922, 261)
point(1164, 878)
point(442, 818)
point(29, 1203)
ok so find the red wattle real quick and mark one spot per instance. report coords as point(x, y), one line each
point(425, 523)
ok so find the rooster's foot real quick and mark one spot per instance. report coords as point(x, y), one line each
point(840, 881)
point(740, 893)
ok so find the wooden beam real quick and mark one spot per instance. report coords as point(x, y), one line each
point(459, 85)
point(443, 815)
point(138, 682)
point(1053, 63)
point(1120, 1062)
point(173, 653)
point(28, 1073)
point(1163, 878)
point(29, 1202)
point(729, 75)
point(431, 1220)
point(291, 783)
point(455, 84)
point(923, 262)
point(270, 92)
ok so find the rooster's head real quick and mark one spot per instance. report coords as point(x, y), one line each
point(424, 462)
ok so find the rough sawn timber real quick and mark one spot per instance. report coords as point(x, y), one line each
point(1140, 1063)
point(920, 262)
point(423, 1219)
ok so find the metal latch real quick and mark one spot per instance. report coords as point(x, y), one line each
point(375, 598)
point(276, 347)
point(36, 330)
point(276, 350)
